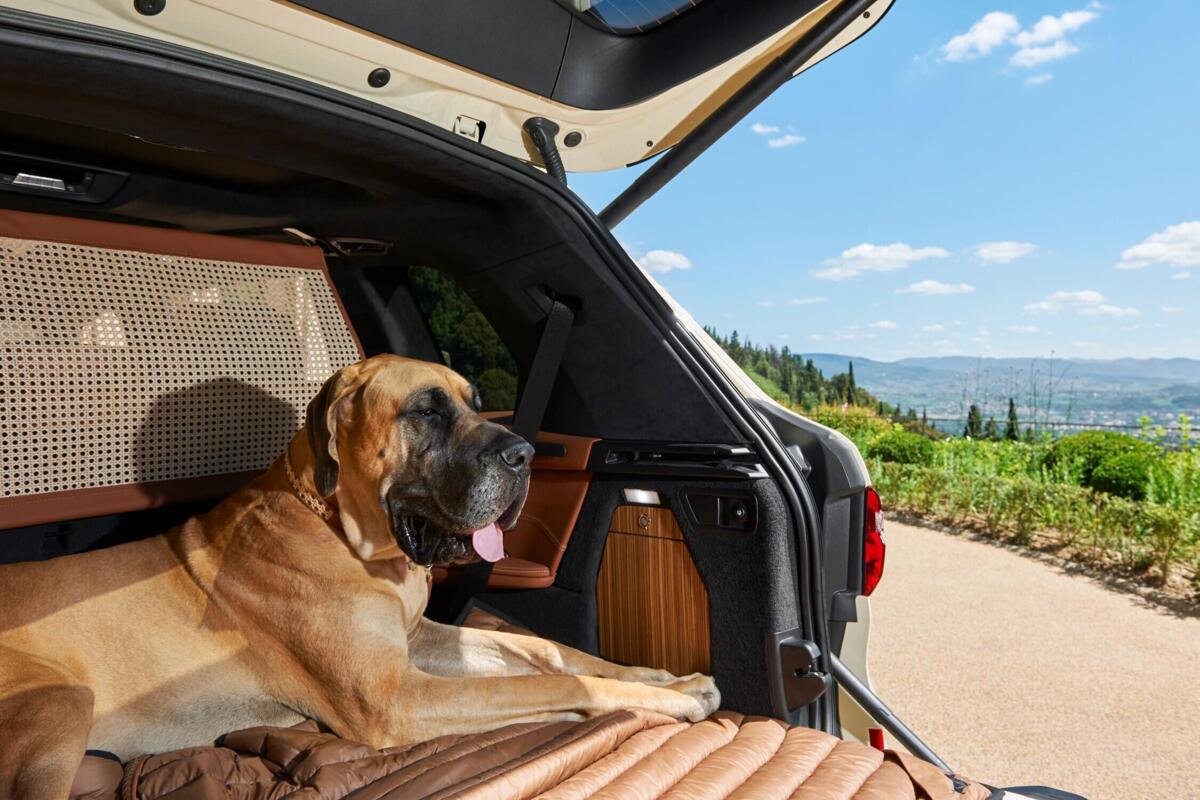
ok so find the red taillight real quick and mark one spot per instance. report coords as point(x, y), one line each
point(873, 547)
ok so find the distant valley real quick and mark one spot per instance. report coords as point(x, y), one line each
point(1087, 391)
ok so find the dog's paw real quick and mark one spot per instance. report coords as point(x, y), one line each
point(701, 688)
point(646, 675)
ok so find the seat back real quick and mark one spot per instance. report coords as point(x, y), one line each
point(141, 367)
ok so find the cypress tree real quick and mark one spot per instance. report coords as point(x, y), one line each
point(852, 388)
point(974, 427)
point(1011, 429)
point(992, 431)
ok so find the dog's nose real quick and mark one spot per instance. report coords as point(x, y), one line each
point(517, 454)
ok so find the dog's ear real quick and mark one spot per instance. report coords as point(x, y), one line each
point(321, 422)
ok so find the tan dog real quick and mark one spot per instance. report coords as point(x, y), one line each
point(301, 595)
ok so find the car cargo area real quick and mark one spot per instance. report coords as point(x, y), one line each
point(182, 266)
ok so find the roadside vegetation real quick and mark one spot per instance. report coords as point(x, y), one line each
point(1126, 504)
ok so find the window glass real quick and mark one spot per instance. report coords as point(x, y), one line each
point(468, 342)
point(631, 16)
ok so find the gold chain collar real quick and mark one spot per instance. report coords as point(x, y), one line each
point(316, 504)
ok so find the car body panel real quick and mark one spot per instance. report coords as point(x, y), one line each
point(290, 39)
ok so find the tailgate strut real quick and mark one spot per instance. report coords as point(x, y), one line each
point(745, 100)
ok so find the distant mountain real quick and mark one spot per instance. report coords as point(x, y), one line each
point(1117, 391)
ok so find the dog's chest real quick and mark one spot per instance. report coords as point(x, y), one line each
point(188, 713)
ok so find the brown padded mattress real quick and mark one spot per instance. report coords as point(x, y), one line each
point(626, 754)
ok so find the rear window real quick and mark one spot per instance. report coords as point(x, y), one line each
point(467, 341)
point(630, 16)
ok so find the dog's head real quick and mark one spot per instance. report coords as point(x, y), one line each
point(400, 446)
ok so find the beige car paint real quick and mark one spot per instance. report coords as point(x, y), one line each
point(286, 38)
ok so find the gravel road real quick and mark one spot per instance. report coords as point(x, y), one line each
point(1016, 672)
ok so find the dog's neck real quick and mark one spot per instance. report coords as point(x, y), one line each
point(307, 494)
point(298, 466)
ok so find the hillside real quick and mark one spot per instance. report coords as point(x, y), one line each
point(1093, 391)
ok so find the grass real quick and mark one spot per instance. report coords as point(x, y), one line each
point(1013, 491)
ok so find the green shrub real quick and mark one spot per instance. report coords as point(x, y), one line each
point(902, 447)
point(1081, 453)
point(1125, 475)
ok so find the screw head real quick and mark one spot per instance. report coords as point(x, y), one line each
point(379, 77)
point(573, 138)
point(148, 8)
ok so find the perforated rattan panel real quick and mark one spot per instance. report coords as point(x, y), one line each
point(120, 367)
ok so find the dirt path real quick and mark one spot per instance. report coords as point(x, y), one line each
point(1017, 673)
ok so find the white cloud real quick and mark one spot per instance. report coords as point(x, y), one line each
point(1030, 57)
point(1171, 310)
point(1106, 310)
point(664, 261)
point(1184, 275)
point(764, 130)
point(1004, 252)
point(1175, 245)
point(1059, 300)
point(936, 287)
point(1042, 43)
point(1024, 328)
point(991, 31)
point(935, 328)
point(805, 301)
point(884, 324)
point(787, 140)
point(765, 303)
point(875, 258)
point(1051, 29)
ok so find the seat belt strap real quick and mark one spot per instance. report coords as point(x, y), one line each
point(527, 420)
point(531, 408)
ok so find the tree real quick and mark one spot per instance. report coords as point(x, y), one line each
point(974, 429)
point(924, 416)
point(992, 430)
point(852, 388)
point(1012, 428)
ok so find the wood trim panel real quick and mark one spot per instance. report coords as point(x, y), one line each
point(652, 607)
point(646, 521)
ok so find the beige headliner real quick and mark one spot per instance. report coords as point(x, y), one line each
point(285, 38)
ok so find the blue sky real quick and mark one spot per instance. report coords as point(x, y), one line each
point(1032, 185)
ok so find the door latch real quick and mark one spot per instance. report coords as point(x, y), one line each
point(798, 679)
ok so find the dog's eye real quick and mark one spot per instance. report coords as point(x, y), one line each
point(426, 412)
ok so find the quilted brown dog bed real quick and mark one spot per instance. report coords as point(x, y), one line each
point(625, 754)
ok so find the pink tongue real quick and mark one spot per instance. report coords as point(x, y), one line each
point(489, 542)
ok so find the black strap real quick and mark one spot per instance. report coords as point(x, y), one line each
point(531, 408)
point(527, 420)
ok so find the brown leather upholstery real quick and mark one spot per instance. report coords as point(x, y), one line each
point(536, 545)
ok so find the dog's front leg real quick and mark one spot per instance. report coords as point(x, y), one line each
point(433, 705)
point(450, 650)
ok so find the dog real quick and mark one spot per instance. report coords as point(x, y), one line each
point(302, 595)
